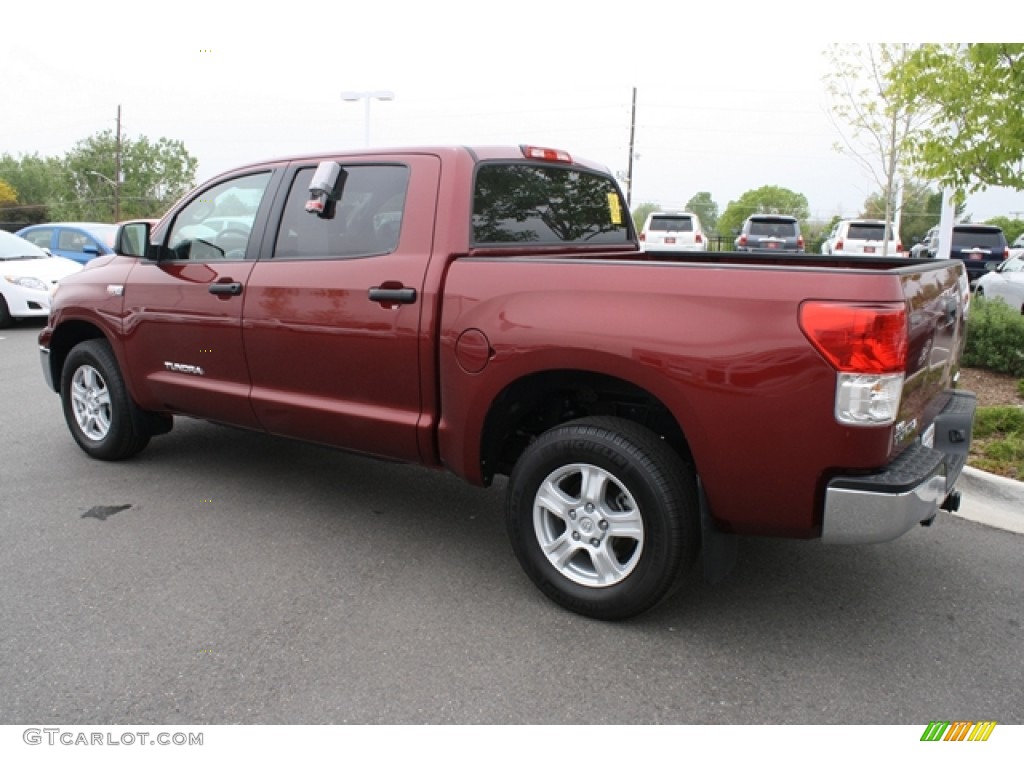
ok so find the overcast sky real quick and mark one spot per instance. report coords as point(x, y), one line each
point(729, 97)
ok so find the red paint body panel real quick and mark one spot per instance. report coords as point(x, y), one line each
point(721, 348)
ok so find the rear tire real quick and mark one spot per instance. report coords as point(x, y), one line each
point(102, 418)
point(603, 517)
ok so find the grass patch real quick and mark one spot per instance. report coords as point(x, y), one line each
point(998, 442)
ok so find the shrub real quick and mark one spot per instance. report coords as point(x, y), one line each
point(995, 337)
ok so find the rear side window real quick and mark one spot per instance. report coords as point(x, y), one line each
point(518, 203)
point(366, 222)
point(671, 224)
point(867, 232)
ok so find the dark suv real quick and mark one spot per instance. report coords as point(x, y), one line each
point(979, 246)
point(767, 233)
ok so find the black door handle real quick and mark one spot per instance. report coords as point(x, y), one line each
point(393, 295)
point(230, 289)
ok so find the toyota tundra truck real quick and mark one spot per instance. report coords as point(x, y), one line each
point(487, 311)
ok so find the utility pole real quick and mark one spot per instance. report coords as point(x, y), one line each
point(117, 169)
point(629, 169)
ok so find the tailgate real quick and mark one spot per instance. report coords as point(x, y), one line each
point(937, 305)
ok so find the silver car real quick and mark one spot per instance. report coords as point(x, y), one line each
point(1005, 281)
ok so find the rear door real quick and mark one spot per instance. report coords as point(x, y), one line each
point(334, 308)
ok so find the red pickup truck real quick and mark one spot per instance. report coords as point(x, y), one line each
point(488, 311)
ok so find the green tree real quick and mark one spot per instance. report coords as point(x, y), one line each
point(766, 199)
point(706, 209)
point(1012, 228)
point(975, 138)
point(8, 195)
point(153, 175)
point(919, 211)
point(641, 212)
point(39, 183)
point(875, 119)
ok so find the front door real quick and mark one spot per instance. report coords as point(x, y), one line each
point(183, 312)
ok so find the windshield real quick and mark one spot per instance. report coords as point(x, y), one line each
point(978, 238)
point(672, 224)
point(14, 247)
point(772, 228)
point(867, 232)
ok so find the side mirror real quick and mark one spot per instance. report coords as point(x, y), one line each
point(132, 239)
point(92, 250)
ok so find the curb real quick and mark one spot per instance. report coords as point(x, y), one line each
point(991, 500)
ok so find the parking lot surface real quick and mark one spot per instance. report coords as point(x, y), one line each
point(229, 577)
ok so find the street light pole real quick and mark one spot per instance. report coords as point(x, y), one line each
point(367, 96)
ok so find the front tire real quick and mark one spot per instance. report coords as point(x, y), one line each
point(603, 516)
point(102, 418)
point(6, 320)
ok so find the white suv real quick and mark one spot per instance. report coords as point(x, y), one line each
point(861, 237)
point(667, 231)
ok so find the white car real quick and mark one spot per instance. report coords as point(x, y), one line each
point(861, 237)
point(669, 231)
point(28, 275)
point(1005, 282)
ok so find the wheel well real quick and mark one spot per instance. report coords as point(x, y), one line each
point(531, 406)
point(65, 338)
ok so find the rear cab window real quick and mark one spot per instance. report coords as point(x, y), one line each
point(519, 203)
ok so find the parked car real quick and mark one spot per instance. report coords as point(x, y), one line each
point(28, 275)
point(76, 240)
point(924, 247)
point(861, 237)
point(765, 233)
point(667, 231)
point(979, 246)
point(1005, 282)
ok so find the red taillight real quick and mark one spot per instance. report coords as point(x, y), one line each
point(858, 338)
point(543, 153)
point(698, 238)
point(743, 239)
point(1006, 253)
point(899, 247)
point(642, 237)
point(839, 245)
point(800, 241)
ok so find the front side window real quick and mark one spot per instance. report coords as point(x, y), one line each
point(217, 224)
point(518, 203)
point(367, 219)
